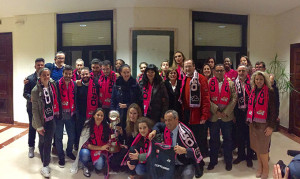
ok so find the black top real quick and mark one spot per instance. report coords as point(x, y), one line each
point(27, 89)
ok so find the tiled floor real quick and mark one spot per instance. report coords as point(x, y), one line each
point(16, 164)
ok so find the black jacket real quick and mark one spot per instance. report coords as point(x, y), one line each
point(174, 96)
point(27, 89)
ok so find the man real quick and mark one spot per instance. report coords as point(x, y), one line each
point(32, 79)
point(86, 101)
point(57, 67)
point(76, 72)
point(66, 91)
point(194, 97)
point(179, 136)
point(230, 73)
point(243, 90)
point(222, 102)
point(106, 83)
point(96, 69)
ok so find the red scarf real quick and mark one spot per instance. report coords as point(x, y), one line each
point(180, 72)
point(260, 111)
point(106, 84)
point(96, 139)
point(75, 76)
point(92, 99)
point(147, 97)
point(163, 75)
point(67, 96)
point(232, 74)
point(139, 78)
point(92, 74)
point(216, 97)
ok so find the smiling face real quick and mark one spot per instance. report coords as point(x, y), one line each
point(79, 66)
point(143, 129)
point(39, 65)
point(170, 121)
point(143, 68)
point(133, 115)
point(227, 63)
point(85, 75)
point(67, 74)
point(243, 61)
point(106, 69)
point(45, 77)
point(173, 75)
point(259, 81)
point(60, 59)
point(125, 73)
point(150, 75)
point(242, 72)
point(118, 64)
point(96, 68)
point(219, 72)
point(99, 116)
point(206, 71)
point(189, 67)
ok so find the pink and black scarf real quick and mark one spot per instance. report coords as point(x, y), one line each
point(260, 112)
point(51, 107)
point(147, 91)
point(180, 72)
point(92, 99)
point(216, 97)
point(67, 96)
point(195, 90)
point(106, 85)
point(243, 93)
point(96, 139)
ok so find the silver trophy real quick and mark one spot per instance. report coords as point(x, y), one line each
point(114, 117)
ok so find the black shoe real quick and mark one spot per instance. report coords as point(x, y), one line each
point(254, 157)
point(71, 156)
point(211, 166)
point(228, 166)
point(86, 172)
point(61, 163)
point(198, 170)
point(249, 163)
point(238, 160)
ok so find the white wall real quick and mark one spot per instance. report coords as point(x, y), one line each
point(35, 38)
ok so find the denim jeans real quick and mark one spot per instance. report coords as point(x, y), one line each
point(184, 171)
point(70, 127)
point(45, 142)
point(141, 169)
point(32, 131)
point(85, 158)
point(214, 142)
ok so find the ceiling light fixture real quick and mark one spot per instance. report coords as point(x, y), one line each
point(221, 26)
point(82, 25)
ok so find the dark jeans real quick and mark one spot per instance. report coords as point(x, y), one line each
point(70, 127)
point(184, 171)
point(242, 133)
point(32, 131)
point(200, 132)
point(85, 158)
point(214, 142)
point(79, 122)
point(45, 142)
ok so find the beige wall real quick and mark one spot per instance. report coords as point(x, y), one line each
point(35, 38)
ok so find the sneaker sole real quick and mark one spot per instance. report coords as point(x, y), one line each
point(61, 166)
point(45, 175)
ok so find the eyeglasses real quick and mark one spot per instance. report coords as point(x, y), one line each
point(219, 71)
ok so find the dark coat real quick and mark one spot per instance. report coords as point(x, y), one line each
point(159, 102)
point(174, 96)
point(27, 89)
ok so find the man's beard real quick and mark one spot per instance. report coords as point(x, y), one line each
point(86, 79)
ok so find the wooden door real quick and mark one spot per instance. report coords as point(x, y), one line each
point(6, 78)
point(294, 123)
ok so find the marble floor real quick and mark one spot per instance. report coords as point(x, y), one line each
point(16, 164)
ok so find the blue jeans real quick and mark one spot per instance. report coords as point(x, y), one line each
point(70, 127)
point(85, 158)
point(214, 142)
point(141, 169)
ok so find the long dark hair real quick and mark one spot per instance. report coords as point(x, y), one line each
point(91, 123)
point(157, 78)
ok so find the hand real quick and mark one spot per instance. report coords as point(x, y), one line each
point(26, 81)
point(131, 167)
point(219, 114)
point(277, 172)
point(78, 82)
point(152, 135)
point(124, 146)
point(202, 121)
point(268, 131)
point(223, 115)
point(179, 150)
point(105, 147)
point(134, 156)
point(42, 132)
point(122, 105)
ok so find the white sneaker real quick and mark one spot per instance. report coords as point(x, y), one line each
point(31, 152)
point(45, 171)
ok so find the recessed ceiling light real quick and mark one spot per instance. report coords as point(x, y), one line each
point(82, 25)
point(221, 26)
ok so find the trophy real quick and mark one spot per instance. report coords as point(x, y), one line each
point(114, 118)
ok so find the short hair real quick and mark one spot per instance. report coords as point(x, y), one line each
point(143, 63)
point(266, 78)
point(174, 113)
point(170, 70)
point(95, 61)
point(67, 67)
point(188, 60)
point(261, 63)
point(42, 70)
point(59, 52)
point(39, 60)
point(85, 68)
point(164, 62)
point(228, 58)
point(241, 65)
point(106, 62)
point(146, 120)
point(79, 60)
point(220, 65)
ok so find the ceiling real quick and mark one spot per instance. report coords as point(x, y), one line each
point(9, 8)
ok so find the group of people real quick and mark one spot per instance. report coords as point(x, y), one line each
point(175, 106)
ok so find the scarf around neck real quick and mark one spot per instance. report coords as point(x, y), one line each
point(51, 107)
point(195, 91)
point(243, 92)
point(260, 111)
point(106, 84)
point(96, 139)
point(67, 96)
point(147, 97)
point(216, 97)
point(92, 99)
point(180, 72)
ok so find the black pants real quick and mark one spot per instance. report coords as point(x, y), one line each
point(32, 131)
point(199, 131)
point(45, 142)
point(79, 123)
point(242, 135)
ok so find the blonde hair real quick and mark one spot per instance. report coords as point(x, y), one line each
point(266, 77)
point(174, 64)
point(131, 126)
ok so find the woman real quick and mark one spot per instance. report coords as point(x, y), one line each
point(211, 61)
point(45, 110)
point(143, 66)
point(244, 60)
point(164, 67)
point(155, 96)
point(119, 63)
point(207, 71)
point(125, 92)
point(178, 60)
point(262, 117)
point(173, 86)
point(93, 145)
